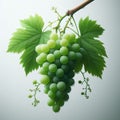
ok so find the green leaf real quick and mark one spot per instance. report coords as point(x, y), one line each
point(89, 28)
point(93, 50)
point(25, 39)
point(93, 58)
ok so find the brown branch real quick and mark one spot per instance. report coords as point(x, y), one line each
point(72, 11)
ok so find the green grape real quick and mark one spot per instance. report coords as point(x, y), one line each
point(38, 48)
point(41, 58)
point(54, 36)
point(65, 68)
point(66, 36)
point(50, 58)
point(51, 74)
point(59, 72)
point(59, 94)
point(68, 88)
point(64, 42)
point(45, 79)
point(52, 68)
point(53, 87)
point(51, 43)
point(55, 79)
point(71, 74)
point(64, 50)
point(79, 55)
point(58, 63)
point(42, 48)
point(57, 54)
point(72, 55)
point(46, 66)
point(58, 46)
point(64, 59)
point(76, 47)
point(71, 82)
point(45, 48)
point(56, 108)
point(70, 37)
point(51, 94)
point(50, 102)
point(60, 102)
point(43, 71)
point(66, 97)
point(46, 89)
point(61, 86)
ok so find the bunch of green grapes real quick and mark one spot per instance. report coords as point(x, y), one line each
point(57, 59)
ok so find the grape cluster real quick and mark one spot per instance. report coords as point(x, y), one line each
point(57, 60)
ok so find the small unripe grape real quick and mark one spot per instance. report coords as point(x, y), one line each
point(54, 36)
point(46, 89)
point(43, 71)
point(53, 87)
point(50, 58)
point(41, 58)
point(58, 44)
point(56, 108)
point(45, 79)
point(66, 36)
point(55, 79)
point(72, 55)
point(51, 94)
point(60, 102)
point(57, 54)
point(71, 82)
point(68, 89)
point(71, 74)
point(45, 48)
point(64, 50)
point(46, 65)
point(51, 74)
point(58, 63)
point(79, 55)
point(51, 43)
point(50, 102)
point(61, 86)
point(64, 42)
point(65, 68)
point(52, 68)
point(64, 59)
point(66, 97)
point(59, 72)
point(59, 94)
point(38, 48)
point(70, 37)
point(76, 47)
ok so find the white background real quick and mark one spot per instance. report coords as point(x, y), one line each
point(104, 101)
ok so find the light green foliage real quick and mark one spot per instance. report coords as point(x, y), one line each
point(25, 39)
point(93, 56)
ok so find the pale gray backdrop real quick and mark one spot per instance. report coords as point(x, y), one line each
point(104, 102)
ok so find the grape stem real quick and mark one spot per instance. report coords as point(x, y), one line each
point(70, 13)
point(77, 8)
point(37, 89)
point(87, 86)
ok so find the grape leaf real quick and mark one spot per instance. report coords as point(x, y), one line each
point(25, 39)
point(94, 51)
point(89, 28)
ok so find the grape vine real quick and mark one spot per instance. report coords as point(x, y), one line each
point(59, 51)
